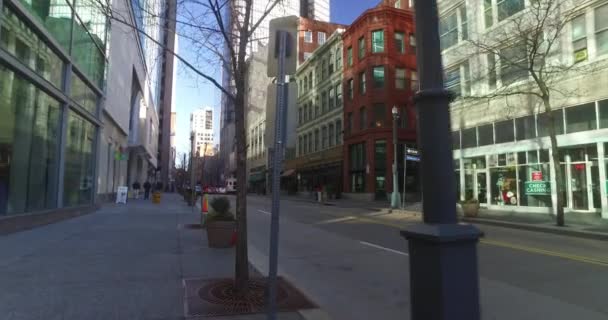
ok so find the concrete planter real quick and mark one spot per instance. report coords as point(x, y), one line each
point(219, 233)
point(470, 210)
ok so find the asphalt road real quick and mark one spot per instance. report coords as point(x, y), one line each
point(356, 267)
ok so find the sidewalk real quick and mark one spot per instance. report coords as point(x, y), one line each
point(121, 262)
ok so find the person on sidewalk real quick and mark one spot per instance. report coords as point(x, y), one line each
point(136, 187)
point(147, 187)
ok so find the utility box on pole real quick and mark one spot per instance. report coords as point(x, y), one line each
point(290, 25)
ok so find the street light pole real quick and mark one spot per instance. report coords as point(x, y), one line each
point(444, 282)
point(395, 201)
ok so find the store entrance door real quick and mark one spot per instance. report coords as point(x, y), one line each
point(582, 178)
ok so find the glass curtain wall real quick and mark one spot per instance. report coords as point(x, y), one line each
point(31, 140)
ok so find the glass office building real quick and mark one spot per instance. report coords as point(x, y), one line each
point(53, 61)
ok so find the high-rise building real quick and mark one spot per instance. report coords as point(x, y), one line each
point(201, 125)
point(315, 9)
point(168, 77)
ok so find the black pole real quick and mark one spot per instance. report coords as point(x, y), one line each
point(444, 282)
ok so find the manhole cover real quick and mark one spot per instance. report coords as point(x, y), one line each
point(218, 298)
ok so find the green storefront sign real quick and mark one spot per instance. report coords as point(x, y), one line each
point(538, 188)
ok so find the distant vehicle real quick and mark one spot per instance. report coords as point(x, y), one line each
point(231, 185)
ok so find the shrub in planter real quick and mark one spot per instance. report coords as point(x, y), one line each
point(470, 208)
point(220, 223)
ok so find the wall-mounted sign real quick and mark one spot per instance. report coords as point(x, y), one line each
point(538, 188)
point(537, 176)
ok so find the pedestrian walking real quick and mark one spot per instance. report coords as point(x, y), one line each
point(136, 187)
point(147, 187)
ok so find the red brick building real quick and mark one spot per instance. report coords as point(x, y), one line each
point(379, 73)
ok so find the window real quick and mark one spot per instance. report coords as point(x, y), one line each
point(378, 41)
point(581, 118)
point(513, 63)
point(507, 8)
point(525, 128)
point(310, 143)
point(305, 149)
point(338, 59)
point(379, 115)
point(601, 29)
point(300, 150)
point(338, 132)
point(307, 37)
point(351, 89)
point(306, 83)
point(380, 165)
point(579, 38)
point(331, 65)
point(448, 30)
point(488, 13)
point(362, 86)
point(400, 41)
point(412, 40)
point(310, 81)
point(486, 134)
point(339, 95)
point(456, 140)
point(457, 79)
point(349, 56)
point(358, 166)
point(300, 119)
point(398, 4)
point(543, 123)
point(469, 138)
point(400, 78)
point(603, 106)
point(491, 71)
point(414, 81)
point(310, 117)
point(321, 37)
point(305, 113)
point(317, 110)
point(378, 73)
point(83, 94)
point(331, 135)
point(362, 118)
point(331, 99)
point(361, 47)
point(504, 131)
point(324, 101)
point(316, 140)
point(324, 137)
point(307, 55)
point(78, 179)
point(350, 124)
point(403, 118)
point(323, 70)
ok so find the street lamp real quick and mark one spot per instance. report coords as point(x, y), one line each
point(444, 282)
point(395, 201)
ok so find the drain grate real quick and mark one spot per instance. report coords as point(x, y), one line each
point(218, 297)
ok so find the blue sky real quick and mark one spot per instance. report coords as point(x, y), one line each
point(192, 92)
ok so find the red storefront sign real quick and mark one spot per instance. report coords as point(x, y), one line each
point(537, 176)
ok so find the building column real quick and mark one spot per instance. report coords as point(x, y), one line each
point(601, 155)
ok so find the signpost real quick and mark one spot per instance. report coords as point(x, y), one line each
point(410, 155)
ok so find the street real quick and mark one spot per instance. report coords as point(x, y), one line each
point(356, 266)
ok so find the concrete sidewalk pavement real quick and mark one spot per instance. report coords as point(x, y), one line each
point(120, 262)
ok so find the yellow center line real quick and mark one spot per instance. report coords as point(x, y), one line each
point(545, 252)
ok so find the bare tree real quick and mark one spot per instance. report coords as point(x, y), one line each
point(218, 33)
point(525, 61)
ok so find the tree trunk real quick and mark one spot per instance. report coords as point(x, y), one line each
point(242, 259)
point(559, 177)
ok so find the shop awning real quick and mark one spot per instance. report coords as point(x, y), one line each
point(288, 173)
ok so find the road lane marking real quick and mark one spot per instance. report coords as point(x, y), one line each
point(383, 248)
point(265, 212)
point(545, 252)
point(336, 220)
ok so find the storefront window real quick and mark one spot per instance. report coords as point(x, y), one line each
point(83, 95)
point(79, 156)
point(27, 47)
point(535, 184)
point(475, 179)
point(469, 138)
point(29, 133)
point(380, 159)
point(503, 180)
point(525, 127)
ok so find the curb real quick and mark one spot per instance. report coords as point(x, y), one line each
point(546, 229)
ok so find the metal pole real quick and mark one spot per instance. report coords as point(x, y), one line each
point(444, 283)
point(395, 196)
point(404, 173)
point(192, 184)
point(276, 179)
